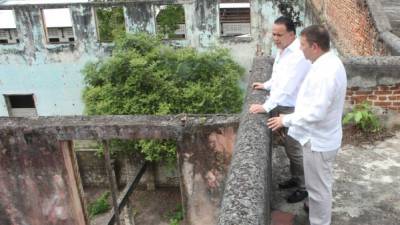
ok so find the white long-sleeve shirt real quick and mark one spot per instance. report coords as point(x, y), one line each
point(289, 70)
point(318, 114)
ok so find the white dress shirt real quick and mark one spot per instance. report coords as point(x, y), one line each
point(289, 70)
point(318, 114)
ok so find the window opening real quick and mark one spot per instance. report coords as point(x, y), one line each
point(110, 23)
point(170, 21)
point(234, 17)
point(58, 25)
point(8, 28)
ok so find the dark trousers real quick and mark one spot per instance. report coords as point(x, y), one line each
point(293, 149)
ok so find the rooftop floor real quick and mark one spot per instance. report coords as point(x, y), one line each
point(366, 189)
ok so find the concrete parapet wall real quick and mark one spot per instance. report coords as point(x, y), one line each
point(383, 26)
point(246, 199)
point(38, 166)
point(392, 41)
point(367, 72)
point(375, 80)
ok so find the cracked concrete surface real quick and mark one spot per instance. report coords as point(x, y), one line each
point(366, 189)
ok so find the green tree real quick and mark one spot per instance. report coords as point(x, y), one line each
point(168, 20)
point(111, 23)
point(144, 76)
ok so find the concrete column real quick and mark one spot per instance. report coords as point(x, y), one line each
point(31, 31)
point(140, 17)
point(202, 18)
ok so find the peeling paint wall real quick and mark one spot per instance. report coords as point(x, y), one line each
point(204, 158)
point(140, 17)
point(52, 72)
point(34, 171)
point(34, 188)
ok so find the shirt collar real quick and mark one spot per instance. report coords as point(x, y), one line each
point(294, 46)
point(323, 56)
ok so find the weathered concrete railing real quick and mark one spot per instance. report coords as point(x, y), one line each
point(246, 198)
point(383, 26)
point(372, 71)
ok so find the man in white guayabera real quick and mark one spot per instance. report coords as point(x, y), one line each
point(289, 70)
point(317, 120)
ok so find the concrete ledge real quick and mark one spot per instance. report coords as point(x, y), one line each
point(392, 41)
point(379, 17)
point(246, 198)
point(109, 127)
point(366, 72)
point(94, 4)
point(383, 26)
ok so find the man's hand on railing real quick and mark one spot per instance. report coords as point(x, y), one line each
point(256, 108)
point(258, 86)
point(275, 123)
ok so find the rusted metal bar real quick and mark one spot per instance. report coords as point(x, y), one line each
point(127, 192)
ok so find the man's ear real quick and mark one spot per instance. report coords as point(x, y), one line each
point(314, 46)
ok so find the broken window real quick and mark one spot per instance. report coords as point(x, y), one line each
point(21, 105)
point(110, 23)
point(171, 22)
point(58, 25)
point(8, 29)
point(234, 17)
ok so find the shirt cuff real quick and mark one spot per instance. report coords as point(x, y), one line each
point(267, 85)
point(287, 120)
point(268, 107)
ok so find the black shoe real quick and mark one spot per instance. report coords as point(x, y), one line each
point(306, 207)
point(297, 196)
point(291, 183)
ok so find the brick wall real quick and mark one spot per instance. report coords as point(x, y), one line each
point(385, 96)
point(351, 26)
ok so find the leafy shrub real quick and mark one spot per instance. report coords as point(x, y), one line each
point(176, 216)
point(143, 76)
point(100, 205)
point(111, 23)
point(363, 118)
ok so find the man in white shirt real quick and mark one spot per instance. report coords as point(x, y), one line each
point(289, 70)
point(317, 120)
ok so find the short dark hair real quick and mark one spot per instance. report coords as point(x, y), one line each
point(289, 24)
point(317, 34)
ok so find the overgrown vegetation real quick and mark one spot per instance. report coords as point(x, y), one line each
point(100, 205)
point(111, 23)
point(176, 216)
point(290, 8)
point(168, 20)
point(363, 118)
point(144, 76)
